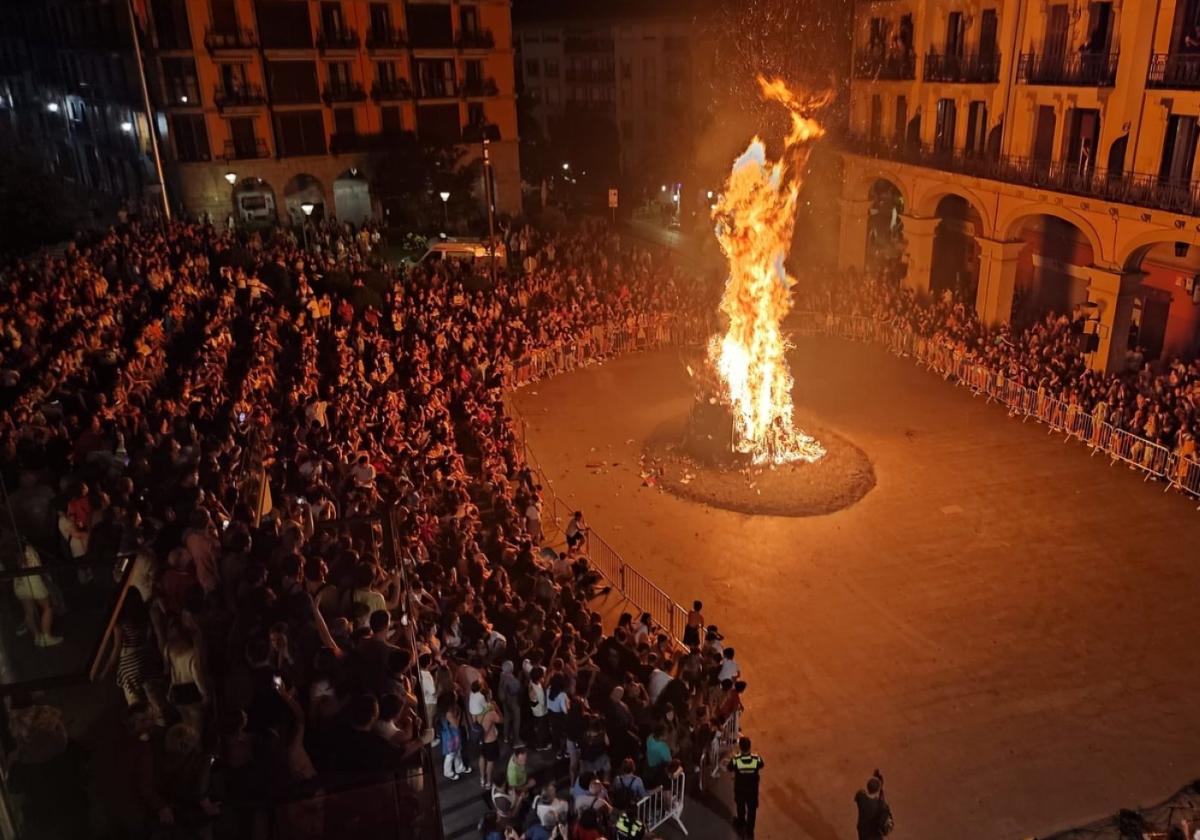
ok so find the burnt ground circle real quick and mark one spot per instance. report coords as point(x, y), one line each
point(841, 478)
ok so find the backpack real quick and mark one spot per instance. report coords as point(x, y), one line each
point(886, 823)
point(621, 795)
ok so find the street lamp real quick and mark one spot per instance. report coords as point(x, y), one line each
point(306, 208)
point(127, 127)
point(566, 167)
point(52, 107)
point(444, 195)
point(231, 178)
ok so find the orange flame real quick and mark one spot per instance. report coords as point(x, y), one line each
point(755, 219)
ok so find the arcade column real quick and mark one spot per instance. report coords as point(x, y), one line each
point(1111, 295)
point(918, 255)
point(997, 279)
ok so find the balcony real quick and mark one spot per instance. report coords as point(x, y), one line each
point(1173, 71)
point(392, 89)
point(242, 150)
point(238, 40)
point(381, 39)
point(604, 74)
point(477, 39)
point(1081, 70)
point(897, 67)
point(355, 142)
point(342, 39)
point(966, 69)
point(343, 92)
point(437, 89)
point(242, 96)
point(473, 88)
point(1134, 188)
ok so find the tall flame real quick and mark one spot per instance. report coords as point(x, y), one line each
point(755, 218)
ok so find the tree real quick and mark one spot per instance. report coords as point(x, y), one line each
point(409, 174)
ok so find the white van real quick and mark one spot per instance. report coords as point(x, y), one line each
point(474, 251)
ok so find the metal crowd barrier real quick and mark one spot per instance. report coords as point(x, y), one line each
point(663, 804)
point(1178, 471)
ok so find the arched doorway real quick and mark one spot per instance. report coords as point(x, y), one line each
point(1165, 323)
point(1051, 269)
point(352, 197)
point(885, 230)
point(253, 202)
point(955, 260)
point(303, 189)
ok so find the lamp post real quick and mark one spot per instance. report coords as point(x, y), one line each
point(141, 70)
point(487, 190)
point(444, 195)
point(306, 208)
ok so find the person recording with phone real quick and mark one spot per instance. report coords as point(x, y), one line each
point(874, 814)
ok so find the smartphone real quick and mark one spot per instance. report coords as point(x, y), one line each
point(241, 417)
point(224, 524)
point(277, 681)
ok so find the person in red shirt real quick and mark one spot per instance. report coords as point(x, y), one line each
point(177, 580)
point(731, 700)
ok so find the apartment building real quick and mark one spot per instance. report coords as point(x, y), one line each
point(263, 106)
point(634, 71)
point(1033, 157)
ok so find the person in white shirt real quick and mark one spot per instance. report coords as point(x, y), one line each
point(660, 678)
point(730, 670)
point(537, 703)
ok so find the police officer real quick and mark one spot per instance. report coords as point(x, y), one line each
point(629, 827)
point(745, 767)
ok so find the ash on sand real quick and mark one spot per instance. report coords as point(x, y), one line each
point(679, 459)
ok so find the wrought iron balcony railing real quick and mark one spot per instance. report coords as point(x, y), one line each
point(480, 87)
point(344, 92)
point(385, 38)
point(1134, 188)
point(895, 67)
point(241, 96)
point(237, 39)
point(476, 39)
point(342, 38)
point(246, 150)
point(437, 89)
point(391, 89)
point(1079, 70)
point(1175, 71)
point(968, 69)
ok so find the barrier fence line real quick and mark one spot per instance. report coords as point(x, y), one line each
point(663, 804)
point(1178, 470)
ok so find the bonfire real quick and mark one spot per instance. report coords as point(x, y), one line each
point(755, 217)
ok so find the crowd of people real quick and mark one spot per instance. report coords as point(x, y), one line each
point(1159, 401)
point(336, 556)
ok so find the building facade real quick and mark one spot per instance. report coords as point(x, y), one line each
point(264, 105)
point(1033, 157)
point(631, 73)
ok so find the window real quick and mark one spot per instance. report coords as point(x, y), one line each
point(976, 128)
point(435, 77)
point(385, 71)
point(533, 68)
point(179, 81)
point(439, 124)
point(343, 122)
point(191, 138)
point(331, 17)
point(473, 75)
point(392, 123)
point(468, 20)
point(901, 122)
point(429, 25)
point(551, 65)
point(244, 140)
point(339, 74)
point(475, 114)
point(300, 133)
point(294, 82)
point(1179, 149)
point(224, 16)
point(943, 137)
point(171, 28)
point(284, 24)
point(233, 77)
point(381, 17)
